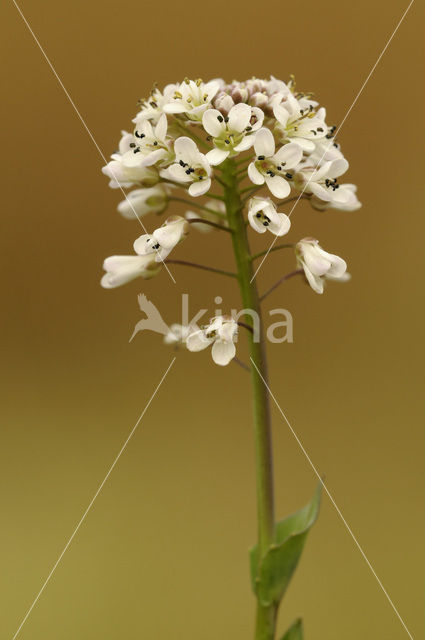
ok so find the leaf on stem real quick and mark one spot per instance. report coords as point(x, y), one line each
point(272, 573)
point(295, 631)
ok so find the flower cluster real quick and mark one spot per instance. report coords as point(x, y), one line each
point(277, 140)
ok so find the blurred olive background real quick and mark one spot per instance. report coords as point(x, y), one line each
point(163, 552)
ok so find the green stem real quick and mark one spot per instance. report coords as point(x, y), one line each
point(266, 616)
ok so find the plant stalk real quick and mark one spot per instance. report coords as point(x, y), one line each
point(266, 616)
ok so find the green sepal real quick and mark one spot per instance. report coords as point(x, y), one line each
point(295, 631)
point(272, 573)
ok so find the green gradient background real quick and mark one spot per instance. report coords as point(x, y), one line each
point(163, 552)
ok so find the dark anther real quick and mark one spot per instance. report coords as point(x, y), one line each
point(227, 141)
point(320, 129)
point(265, 223)
point(132, 145)
point(258, 214)
point(313, 131)
point(220, 118)
point(139, 135)
point(188, 171)
point(248, 129)
point(271, 174)
point(226, 119)
point(155, 144)
point(279, 168)
point(182, 164)
point(153, 104)
point(136, 150)
point(289, 176)
point(261, 157)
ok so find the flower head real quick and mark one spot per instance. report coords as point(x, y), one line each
point(318, 264)
point(233, 133)
point(192, 98)
point(163, 240)
point(150, 145)
point(221, 333)
point(323, 181)
point(348, 200)
point(263, 216)
point(123, 269)
point(123, 175)
point(191, 167)
point(273, 167)
point(299, 122)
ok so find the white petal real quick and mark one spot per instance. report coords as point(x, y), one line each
point(337, 168)
point(281, 226)
point(245, 143)
point(174, 107)
point(212, 124)
point(315, 282)
point(177, 173)
point(254, 175)
point(290, 154)
point(281, 114)
point(264, 143)
point(223, 352)
point(199, 188)
point(216, 156)
point(153, 157)
point(320, 191)
point(161, 127)
point(197, 341)
point(142, 245)
point(256, 223)
point(186, 148)
point(239, 117)
point(278, 186)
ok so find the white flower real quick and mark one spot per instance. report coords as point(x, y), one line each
point(299, 122)
point(152, 107)
point(262, 215)
point(192, 97)
point(177, 334)
point(163, 240)
point(272, 168)
point(123, 269)
point(149, 146)
point(191, 167)
point(212, 205)
point(142, 201)
point(221, 333)
point(323, 181)
point(232, 133)
point(318, 264)
point(123, 176)
point(350, 200)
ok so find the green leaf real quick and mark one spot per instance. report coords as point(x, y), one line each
point(272, 573)
point(295, 631)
